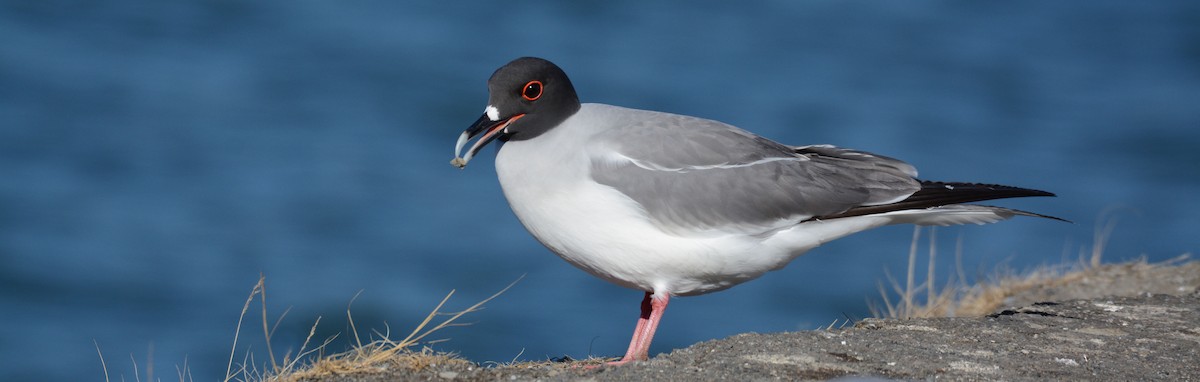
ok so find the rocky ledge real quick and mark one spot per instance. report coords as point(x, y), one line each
point(1152, 334)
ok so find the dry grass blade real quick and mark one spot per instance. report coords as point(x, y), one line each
point(135, 368)
point(909, 290)
point(417, 334)
point(185, 374)
point(150, 362)
point(350, 318)
point(102, 364)
point(312, 331)
point(930, 296)
point(1104, 229)
point(262, 291)
point(237, 332)
point(888, 310)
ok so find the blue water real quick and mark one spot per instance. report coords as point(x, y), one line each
point(156, 157)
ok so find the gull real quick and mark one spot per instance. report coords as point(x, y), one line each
point(675, 205)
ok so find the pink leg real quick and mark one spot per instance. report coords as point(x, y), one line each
point(643, 333)
point(636, 342)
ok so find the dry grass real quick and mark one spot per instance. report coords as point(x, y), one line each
point(957, 299)
point(376, 353)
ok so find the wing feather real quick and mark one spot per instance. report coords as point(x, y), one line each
point(720, 177)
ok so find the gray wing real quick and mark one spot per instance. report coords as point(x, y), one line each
point(696, 174)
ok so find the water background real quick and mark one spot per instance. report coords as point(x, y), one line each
point(157, 157)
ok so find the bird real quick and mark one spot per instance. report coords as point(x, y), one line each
point(675, 205)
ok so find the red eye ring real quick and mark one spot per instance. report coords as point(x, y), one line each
point(532, 90)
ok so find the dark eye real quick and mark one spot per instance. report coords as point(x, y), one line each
point(532, 90)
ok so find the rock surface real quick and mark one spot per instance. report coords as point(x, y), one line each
point(1141, 336)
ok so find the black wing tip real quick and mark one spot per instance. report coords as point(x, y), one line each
point(1033, 192)
point(1001, 192)
point(1056, 218)
point(1014, 191)
point(935, 194)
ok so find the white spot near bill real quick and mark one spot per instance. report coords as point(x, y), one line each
point(492, 112)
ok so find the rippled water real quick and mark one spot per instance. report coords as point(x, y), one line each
point(157, 157)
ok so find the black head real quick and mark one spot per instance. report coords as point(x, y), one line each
point(527, 97)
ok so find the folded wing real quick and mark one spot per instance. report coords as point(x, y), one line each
point(710, 168)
